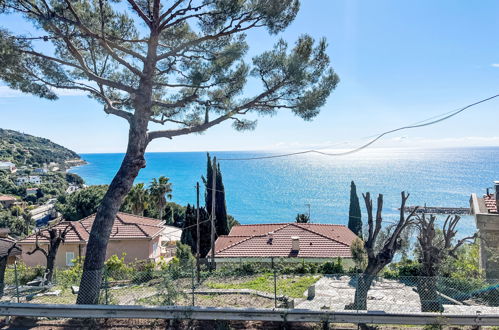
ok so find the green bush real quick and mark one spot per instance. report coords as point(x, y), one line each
point(70, 276)
point(331, 267)
point(403, 268)
point(25, 273)
point(144, 271)
point(117, 269)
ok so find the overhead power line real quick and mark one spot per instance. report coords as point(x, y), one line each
point(422, 123)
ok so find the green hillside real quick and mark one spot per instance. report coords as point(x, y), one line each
point(24, 149)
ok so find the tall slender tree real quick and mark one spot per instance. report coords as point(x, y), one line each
point(222, 224)
point(181, 64)
point(354, 214)
point(160, 190)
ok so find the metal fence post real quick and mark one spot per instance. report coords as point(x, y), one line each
point(106, 286)
point(275, 284)
point(17, 281)
point(192, 283)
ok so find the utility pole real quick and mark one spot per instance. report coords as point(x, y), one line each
point(213, 216)
point(198, 244)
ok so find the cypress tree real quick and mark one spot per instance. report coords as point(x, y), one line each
point(189, 221)
point(222, 222)
point(221, 219)
point(354, 215)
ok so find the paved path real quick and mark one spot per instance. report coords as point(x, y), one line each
point(334, 293)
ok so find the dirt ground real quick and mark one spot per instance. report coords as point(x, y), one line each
point(122, 324)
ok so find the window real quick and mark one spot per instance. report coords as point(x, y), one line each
point(69, 258)
point(154, 249)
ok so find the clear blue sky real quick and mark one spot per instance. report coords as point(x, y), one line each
point(399, 62)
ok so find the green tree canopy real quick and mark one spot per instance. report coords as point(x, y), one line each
point(182, 65)
point(159, 190)
point(81, 203)
point(302, 218)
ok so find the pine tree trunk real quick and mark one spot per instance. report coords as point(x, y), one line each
point(101, 229)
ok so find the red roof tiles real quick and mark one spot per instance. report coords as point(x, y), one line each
point(316, 241)
point(7, 198)
point(6, 244)
point(125, 226)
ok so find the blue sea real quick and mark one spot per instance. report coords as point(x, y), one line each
point(275, 190)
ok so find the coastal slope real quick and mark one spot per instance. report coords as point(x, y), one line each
point(25, 149)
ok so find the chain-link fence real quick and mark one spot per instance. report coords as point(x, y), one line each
point(256, 285)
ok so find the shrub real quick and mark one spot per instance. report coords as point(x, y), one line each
point(117, 269)
point(331, 267)
point(70, 276)
point(145, 271)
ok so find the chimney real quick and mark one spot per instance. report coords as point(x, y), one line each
point(496, 186)
point(295, 243)
point(271, 237)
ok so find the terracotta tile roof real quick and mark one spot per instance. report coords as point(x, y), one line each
point(7, 198)
point(316, 241)
point(5, 244)
point(490, 203)
point(125, 226)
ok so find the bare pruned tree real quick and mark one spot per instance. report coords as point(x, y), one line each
point(378, 258)
point(434, 247)
point(3, 265)
point(54, 239)
point(181, 64)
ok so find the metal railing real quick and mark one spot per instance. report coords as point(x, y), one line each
point(260, 285)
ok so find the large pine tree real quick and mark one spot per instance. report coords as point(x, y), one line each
point(354, 215)
point(182, 64)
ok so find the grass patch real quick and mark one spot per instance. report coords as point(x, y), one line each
point(290, 286)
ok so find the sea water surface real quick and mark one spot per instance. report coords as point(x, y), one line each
point(275, 190)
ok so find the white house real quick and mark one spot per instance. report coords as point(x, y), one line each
point(34, 179)
point(8, 166)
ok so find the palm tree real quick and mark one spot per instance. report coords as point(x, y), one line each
point(160, 190)
point(137, 199)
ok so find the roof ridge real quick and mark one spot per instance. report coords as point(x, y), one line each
point(73, 227)
point(282, 227)
point(139, 216)
point(313, 231)
point(289, 223)
point(238, 242)
point(128, 223)
point(262, 224)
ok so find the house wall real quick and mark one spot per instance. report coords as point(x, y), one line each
point(488, 228)
point(38, 259)
point(346, 262)
point(138, 249)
